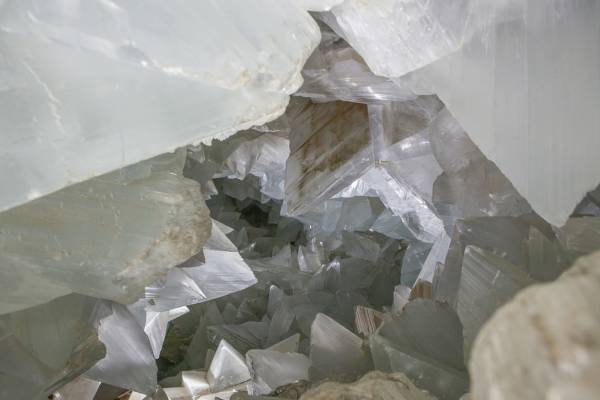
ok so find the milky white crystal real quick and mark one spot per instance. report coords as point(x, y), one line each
point(89, 86)
point(530, 108)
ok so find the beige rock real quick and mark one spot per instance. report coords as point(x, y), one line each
point(373, 386)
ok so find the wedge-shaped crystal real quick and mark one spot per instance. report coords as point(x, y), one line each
point(427, 374)
point(523, 351)
point(505, 237)
point(272, 369)
point(580, 236)
point(78, 389)
point(227, 368)
point(243, 337)
point(399, 36)
point(289, 345)
point(335, 352)
point(107, 237)
point(195, 382)
point(223, 271)
point(90, 87)
point(155, 323)
point(335, 71)
point(129, 362)
point(46, 347)
point(511, 100)
point(412, 262)
point(471, 185)
point(486, 282)
point(425, 342)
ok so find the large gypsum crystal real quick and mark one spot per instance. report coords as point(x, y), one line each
point(425, 342)
point(516, 104)
point(543, 343)
point(396, 37)
point(107, 237)
point(90, 87)
point(47, 346)
point(478, 56)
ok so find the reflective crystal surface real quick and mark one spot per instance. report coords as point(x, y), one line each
point(90, 86)
point(286, 199)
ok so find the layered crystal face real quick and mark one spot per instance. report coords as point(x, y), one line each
point(390, 199)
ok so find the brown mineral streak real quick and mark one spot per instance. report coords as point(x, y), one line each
point(335, 130)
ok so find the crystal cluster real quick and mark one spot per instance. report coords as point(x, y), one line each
point(375, 199)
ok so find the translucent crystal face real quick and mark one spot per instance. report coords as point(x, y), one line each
point(405, 194)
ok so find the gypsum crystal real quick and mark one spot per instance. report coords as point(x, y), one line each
point(227, 368)
point(271, 369)
point(364, 154)
point(222, 272)
point(486, 282)
point(398, 36)
point(335, 352)
point(506, 237)
point(90, 87)
point(511, 100)
point(139, 222)
point(47, 346)
point(261, 154)
point(554, 352)
point(470, 185)
point(425, 342)
point(78, 389)
point(129, 362)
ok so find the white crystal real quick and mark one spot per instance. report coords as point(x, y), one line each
point(509, 89)
point(227, 368)
point(335, 352)
point(272, 369)
point(129, 362)
point(222, 272)
point(91, 86)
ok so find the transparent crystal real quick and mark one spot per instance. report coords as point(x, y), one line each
point(486, 282)
point(222, 271)
point(335, 352)
point(271, 369)
point(129, 362)
point(227, 368)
